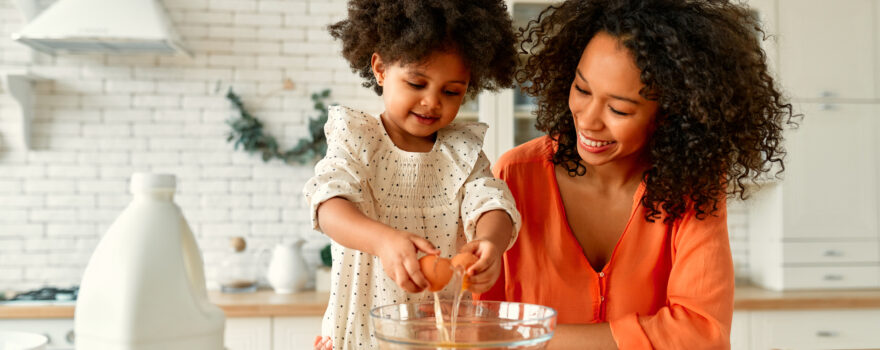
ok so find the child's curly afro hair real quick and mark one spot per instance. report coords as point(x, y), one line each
point(407, 31)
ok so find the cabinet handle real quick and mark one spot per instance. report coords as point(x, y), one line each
point(826, 334)
point(71, 337)
point(833, 277)
point(48, 337)
point(833, 253)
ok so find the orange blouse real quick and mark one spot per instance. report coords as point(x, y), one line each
point(664, 287)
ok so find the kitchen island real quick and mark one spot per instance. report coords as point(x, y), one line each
point(762, 319)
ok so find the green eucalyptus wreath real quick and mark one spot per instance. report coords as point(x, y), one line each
point(247, 132)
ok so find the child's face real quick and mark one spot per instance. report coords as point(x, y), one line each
point(421, 98)
point(612, 120)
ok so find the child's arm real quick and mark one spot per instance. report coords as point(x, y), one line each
point(492, 237)
point(491, 222)
point(342, 221)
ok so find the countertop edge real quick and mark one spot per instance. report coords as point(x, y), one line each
point(265, 303)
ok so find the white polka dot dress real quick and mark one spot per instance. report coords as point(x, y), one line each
point(438, 195)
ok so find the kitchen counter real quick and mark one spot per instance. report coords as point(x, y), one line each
point(262, 303)
point(265, 303)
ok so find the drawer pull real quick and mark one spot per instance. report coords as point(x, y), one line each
point(833, 277)
point(826, 334)
point(833, 253)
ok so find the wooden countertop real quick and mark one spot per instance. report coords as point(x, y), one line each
point(751, 298)
point(262, 303)
point(265, 303)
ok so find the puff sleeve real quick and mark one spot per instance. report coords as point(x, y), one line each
point(339, 173)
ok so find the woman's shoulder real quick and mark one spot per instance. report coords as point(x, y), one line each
point(534, 152)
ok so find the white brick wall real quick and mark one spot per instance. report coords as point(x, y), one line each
point(101, 117)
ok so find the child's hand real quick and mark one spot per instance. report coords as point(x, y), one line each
point(483, 273)
point(398, 256)
point(323, 343)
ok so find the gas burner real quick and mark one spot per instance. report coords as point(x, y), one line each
point(48, 294)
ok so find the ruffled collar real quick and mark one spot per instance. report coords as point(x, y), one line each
point(461, 143)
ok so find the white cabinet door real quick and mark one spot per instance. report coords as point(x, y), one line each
point(827, 329)
point(830, 186)
point(826, 48)
point(249, 334)
point(296, 332)
point(739, 331)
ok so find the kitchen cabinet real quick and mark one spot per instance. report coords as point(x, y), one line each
point(58, 330)
point(818, 227)
point(266, 333)
point(815, 329)
point(250, 333)
point(826, 48)
point(295, 332)
point(739, 331)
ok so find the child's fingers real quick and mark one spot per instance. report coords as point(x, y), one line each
point(323, 343)
point(424, 245)
point(470, 247)
point(481, 265)
point(414, 270)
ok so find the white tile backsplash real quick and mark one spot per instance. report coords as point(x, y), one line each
point(100, 118)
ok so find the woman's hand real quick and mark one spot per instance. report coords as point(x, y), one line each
point(397, 252)
point(483, 273)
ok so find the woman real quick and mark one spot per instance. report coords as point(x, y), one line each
point(655, 111)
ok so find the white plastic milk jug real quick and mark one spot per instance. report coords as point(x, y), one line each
point(144, 286)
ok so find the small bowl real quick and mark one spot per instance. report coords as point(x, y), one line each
point(480, 325)
point(13, 340)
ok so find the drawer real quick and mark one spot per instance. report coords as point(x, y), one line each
point(831, 277)
point(831, 252)
point(826, 329)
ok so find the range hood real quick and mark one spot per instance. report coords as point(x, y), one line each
point(102, 26)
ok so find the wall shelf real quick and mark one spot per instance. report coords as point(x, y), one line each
point(20, 87)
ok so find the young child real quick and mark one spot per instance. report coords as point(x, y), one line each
point(408, 181)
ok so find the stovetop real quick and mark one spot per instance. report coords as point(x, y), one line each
point(46, 295)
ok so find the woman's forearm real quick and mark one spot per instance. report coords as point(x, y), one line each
point(582, 336)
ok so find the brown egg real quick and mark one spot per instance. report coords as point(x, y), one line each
point(464, 260)
point(437, 270)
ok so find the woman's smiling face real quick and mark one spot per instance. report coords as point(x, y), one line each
point(612, 120)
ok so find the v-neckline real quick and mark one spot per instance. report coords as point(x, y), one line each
point(570, 233)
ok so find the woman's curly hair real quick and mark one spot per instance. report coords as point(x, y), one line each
point(721, 116)
point(408, 31)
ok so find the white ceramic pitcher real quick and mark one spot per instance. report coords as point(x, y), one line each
point(287, 271)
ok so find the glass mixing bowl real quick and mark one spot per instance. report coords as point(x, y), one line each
point(479, 325)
